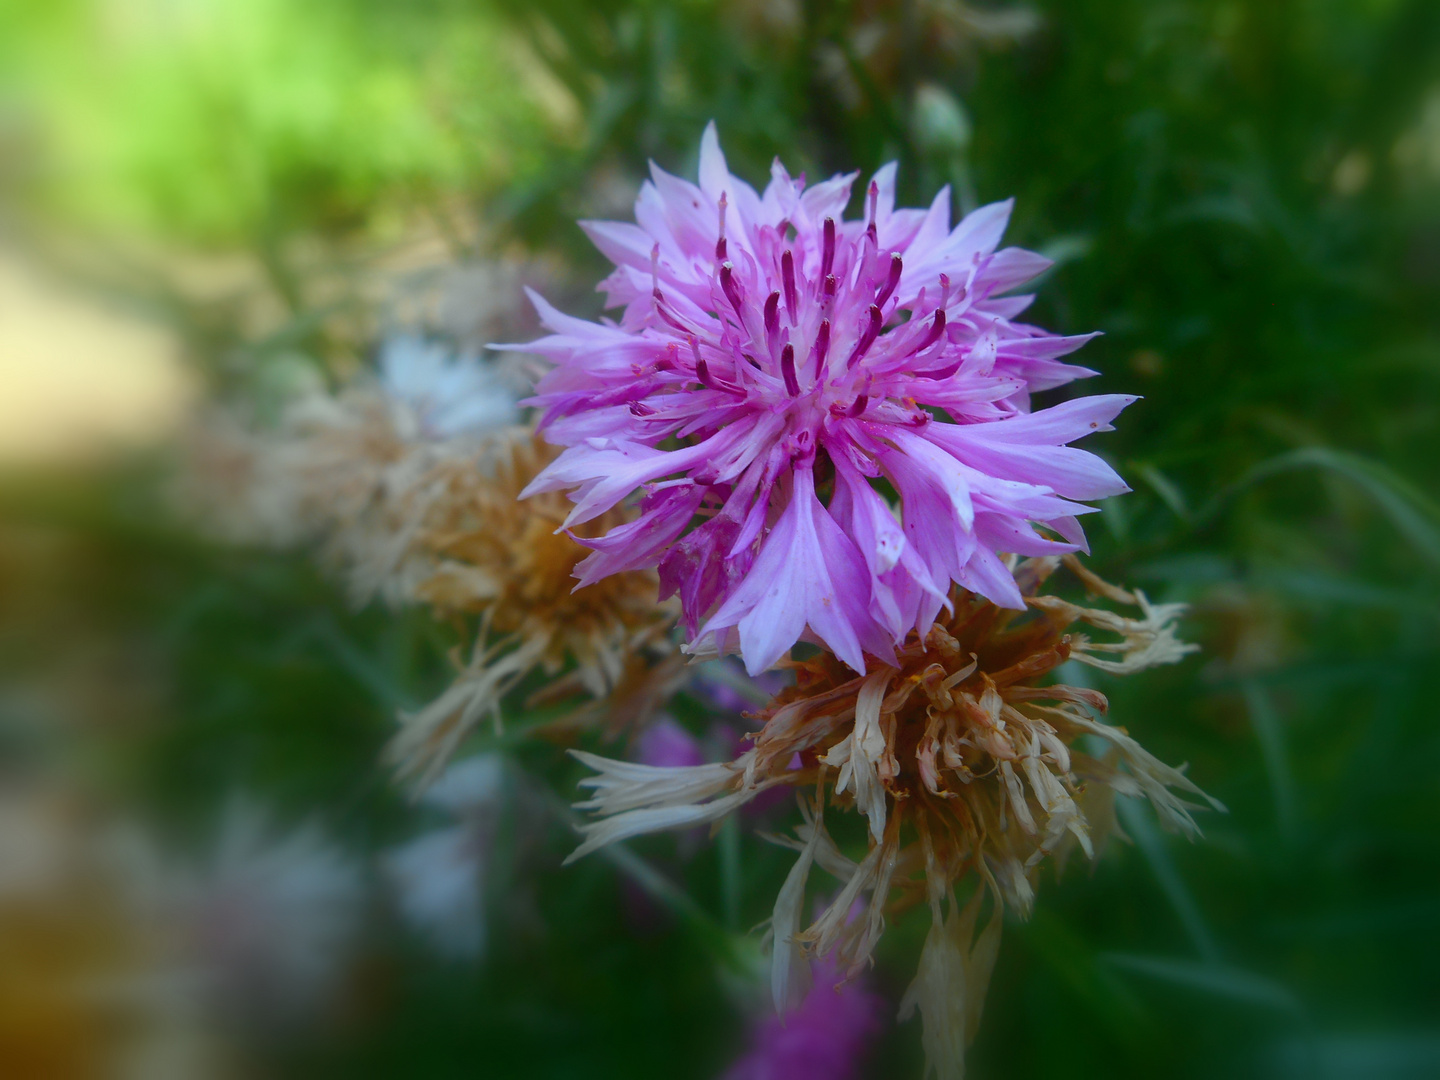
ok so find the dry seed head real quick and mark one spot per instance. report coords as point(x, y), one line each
point(436, 521)
point(963, 764)
point(484, 553)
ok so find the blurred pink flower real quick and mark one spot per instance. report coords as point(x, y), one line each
point(824, 1038)
point(667, 745)
point(787, 359)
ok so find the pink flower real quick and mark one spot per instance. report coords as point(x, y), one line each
point(667, 745)
point(824, 1038)
point(774, 364)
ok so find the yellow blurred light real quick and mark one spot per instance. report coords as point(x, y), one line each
point(77, 378)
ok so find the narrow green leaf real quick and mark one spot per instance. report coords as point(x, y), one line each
point(1228, 982)
point(1412, 512)
point(1271, 735)
point(1138, 824)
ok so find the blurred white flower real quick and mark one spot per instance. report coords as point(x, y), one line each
point(447, 395)
point(439, 878)
point(269, 925)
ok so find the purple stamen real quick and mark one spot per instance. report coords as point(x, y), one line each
point(664, 313)
point(639, 408)
point(822, 346)
point(787, 273)
point(943, 373)
point(787, 369)
point(858, 407)
point(869, 256)
point(896, 265)
point(873, 198)
point(867, 336)
point(731, 288)
point(702, 370)
point(936, 329)
point(772, 317)
point(720, 249)
point(827, 258)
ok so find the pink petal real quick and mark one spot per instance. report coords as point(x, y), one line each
point(639, 543)
point(1013, 266)
point(807, 572)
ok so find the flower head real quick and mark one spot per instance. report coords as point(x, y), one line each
point(776, 366)
point(963, 764)
point(825, 1037)
point(481, 552)
point(442, 394)
point(411, 481)
point(274, 919)
point(350, 470)
point(439, 878)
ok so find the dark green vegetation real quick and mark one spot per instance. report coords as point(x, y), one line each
point(1245, 197)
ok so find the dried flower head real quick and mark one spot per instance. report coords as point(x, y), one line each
point(348, 471)
point(773, 364)
point(410, 483)
point(489, 555)
point(964, 766)
point(272, 922)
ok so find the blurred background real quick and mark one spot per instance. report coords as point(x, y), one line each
point(204, 869)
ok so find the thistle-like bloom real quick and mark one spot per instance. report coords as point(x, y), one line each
point(773, 365)
point(964, 766)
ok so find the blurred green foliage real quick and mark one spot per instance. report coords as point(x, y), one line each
point(1244, 197)
point(211, 121)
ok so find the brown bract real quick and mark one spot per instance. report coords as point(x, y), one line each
point(967, 762)
point(490, 555)
point(496, 556)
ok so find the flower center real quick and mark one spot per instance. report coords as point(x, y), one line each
point(797, 322)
